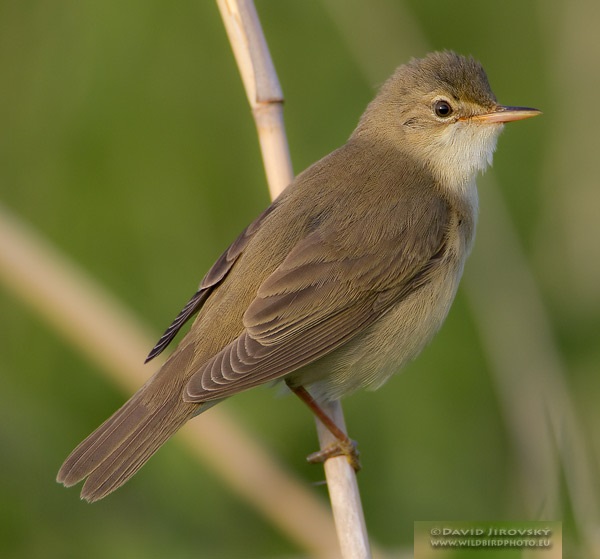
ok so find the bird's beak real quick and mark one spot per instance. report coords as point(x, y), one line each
point(503, 114)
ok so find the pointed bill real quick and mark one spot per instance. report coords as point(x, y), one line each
point(503, 114)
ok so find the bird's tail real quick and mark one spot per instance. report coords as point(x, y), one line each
point(125, 441)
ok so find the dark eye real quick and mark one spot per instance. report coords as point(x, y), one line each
point(442, 108)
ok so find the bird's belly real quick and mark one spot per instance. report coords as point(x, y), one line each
point(372, 357)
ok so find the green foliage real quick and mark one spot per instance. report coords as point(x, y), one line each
point(125, 138)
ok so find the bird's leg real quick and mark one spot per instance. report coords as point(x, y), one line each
point(344, 445)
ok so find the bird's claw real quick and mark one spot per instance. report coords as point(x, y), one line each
point(347, 448)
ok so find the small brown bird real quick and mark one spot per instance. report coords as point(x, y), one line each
point(340, 282)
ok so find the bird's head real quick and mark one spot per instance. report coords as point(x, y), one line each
point(441, 111)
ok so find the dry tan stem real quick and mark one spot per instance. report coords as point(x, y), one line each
point(265, 98)
point(262, 89)
point(344, 496)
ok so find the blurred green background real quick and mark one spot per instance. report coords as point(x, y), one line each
point(126, 141)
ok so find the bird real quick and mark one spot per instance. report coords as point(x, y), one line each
point(339, 283)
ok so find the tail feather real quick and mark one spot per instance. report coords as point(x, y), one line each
point(125, 441)
point(129, 456)
point(88, 454)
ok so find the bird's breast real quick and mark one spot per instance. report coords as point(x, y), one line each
point(397, 337)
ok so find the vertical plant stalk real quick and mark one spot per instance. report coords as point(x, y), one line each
point(266, 99)
point(343, 491)
point(262, 89)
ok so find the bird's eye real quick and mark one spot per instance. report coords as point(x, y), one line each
point(442, 108)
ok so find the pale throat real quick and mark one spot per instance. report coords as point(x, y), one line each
point(460, 151)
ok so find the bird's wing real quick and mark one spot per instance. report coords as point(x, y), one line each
point(331, 286)
point(212, 279)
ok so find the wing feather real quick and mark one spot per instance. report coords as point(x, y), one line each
point(323, 294)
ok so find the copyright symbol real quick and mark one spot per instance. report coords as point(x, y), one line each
point(435, 531)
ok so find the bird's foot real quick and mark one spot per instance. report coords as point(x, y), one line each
point(346, 447)
point(343, 446)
